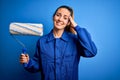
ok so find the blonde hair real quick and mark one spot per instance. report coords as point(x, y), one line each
point(69, 27)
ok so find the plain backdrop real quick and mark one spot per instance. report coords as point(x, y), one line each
point(100, 17)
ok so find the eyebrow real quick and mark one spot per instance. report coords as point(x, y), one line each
point(64, 15)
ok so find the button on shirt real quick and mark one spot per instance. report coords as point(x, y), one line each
point(58, 58)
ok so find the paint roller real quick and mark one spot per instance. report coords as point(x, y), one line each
point(31, 29)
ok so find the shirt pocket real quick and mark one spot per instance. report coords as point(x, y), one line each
point(67, 66)
point(69, 61)
point(47, 65)
point(46, 57)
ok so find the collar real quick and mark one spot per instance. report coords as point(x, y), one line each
point(65, 36)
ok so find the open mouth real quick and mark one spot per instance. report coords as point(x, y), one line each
point(59, 23)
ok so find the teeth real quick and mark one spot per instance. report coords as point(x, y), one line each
point(58, 23)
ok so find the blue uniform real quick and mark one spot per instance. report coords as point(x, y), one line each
point(58, 58)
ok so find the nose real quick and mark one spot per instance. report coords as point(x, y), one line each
point(60, 18)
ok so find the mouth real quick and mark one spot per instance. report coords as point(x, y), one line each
point(59, 23)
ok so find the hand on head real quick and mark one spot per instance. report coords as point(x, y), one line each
point(73, 23)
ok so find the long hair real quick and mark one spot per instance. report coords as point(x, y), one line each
point(69, 27)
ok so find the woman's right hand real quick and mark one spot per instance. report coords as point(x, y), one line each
point(24, 58)
point(73, 23)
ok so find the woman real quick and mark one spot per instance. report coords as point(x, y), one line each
point(58, 53)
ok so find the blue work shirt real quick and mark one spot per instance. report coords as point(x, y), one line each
point(58, 58)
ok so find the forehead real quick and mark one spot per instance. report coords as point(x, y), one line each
point(63, 11)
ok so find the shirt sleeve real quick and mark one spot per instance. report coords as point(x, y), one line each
point(88, 46)
point(33, 64)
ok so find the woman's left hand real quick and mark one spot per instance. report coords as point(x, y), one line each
point(73, 23)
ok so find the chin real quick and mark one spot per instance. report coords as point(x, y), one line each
point(59, 27)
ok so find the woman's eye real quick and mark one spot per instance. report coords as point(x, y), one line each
point(57, 15)
point(66, 18)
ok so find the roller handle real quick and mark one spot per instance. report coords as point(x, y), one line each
point(24, 50)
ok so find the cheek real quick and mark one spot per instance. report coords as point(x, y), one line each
point(55, 18)
point(66, 22)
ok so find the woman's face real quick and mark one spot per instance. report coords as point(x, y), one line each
point(61, 18)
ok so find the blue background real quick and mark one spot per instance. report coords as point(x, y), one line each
point(100, 17)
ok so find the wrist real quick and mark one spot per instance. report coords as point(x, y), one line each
point(74, 25)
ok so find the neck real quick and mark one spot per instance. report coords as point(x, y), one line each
point(57, 33)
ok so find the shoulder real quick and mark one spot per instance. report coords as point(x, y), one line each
point(44, 37)
point(71, 36)
point(42, 40)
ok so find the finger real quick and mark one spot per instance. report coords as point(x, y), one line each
point(22, 54)
point(23, 57)
point(26, 55)
point(70, 18)
point(73, 23)
point(23, 60)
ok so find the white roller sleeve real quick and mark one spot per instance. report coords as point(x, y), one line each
point(26, 29)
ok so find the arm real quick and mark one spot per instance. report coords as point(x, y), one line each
point(31, 65)
point(88, 46)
